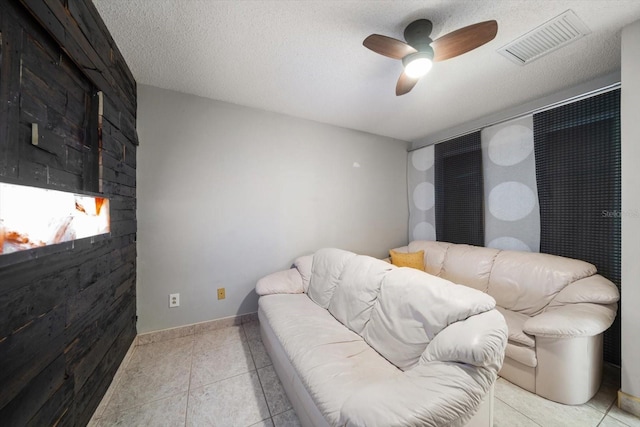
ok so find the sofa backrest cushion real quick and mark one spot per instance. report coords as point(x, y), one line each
point(325, 274)
point(526, 282)
point(359, 286)
point(434, 253)
point(469, 265)
point(303, 264)
point(412, 308)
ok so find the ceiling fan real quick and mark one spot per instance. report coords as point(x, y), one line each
point(420, 52)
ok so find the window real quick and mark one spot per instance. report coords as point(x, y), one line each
point(459, 190)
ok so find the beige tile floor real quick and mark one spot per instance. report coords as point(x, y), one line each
point(224, 378)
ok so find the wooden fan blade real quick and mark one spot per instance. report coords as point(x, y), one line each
point(388, 46)
point(405, 84)
point(464, 40)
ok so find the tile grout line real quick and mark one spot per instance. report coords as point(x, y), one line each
point(135, 350)
point(218, 347)
point(605, 413)
point(613, 402)
point(615, 418)
point(257, 375)
point(186, 409)
point(115, 384)
point(519, 412)
point(131, 408)
point(601, 419)
point(140, 404)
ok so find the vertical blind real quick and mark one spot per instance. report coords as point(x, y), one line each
point(578, 172)
point(459, 190)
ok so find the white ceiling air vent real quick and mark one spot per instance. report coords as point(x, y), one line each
point(552, 35)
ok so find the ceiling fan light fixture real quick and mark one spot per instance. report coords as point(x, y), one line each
point(417, 64)
point(418, 53)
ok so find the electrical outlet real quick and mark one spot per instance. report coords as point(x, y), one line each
point(174, 300)
point(221, 294)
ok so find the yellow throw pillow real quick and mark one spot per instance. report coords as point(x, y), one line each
point(411, 259)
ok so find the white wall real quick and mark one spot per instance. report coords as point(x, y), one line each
point(228, 194)
point(630, 105)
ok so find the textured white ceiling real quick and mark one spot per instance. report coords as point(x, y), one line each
point(306, 59)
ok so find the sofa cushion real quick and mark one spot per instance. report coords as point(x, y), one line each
point(325, 274)
point(408, 259)
point(526, 282)
point(515, 324)
point(333, 362)
point(523, 354)
point(357, 291)
point(434, 253)
point(436, 394)
point(412, 308)
point(281, 309)
point(469, 265)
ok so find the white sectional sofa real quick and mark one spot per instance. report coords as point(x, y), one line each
point(356, 341)
point(556, 310)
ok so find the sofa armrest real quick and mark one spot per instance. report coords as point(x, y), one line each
point(281, 282)
point(594, 289)
point(479, 340)
point(572, 320)
point(431, 394)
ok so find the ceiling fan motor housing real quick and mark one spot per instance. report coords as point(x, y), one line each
point(418, 33)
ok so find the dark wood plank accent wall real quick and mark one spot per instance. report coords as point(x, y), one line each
point(67, 313)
